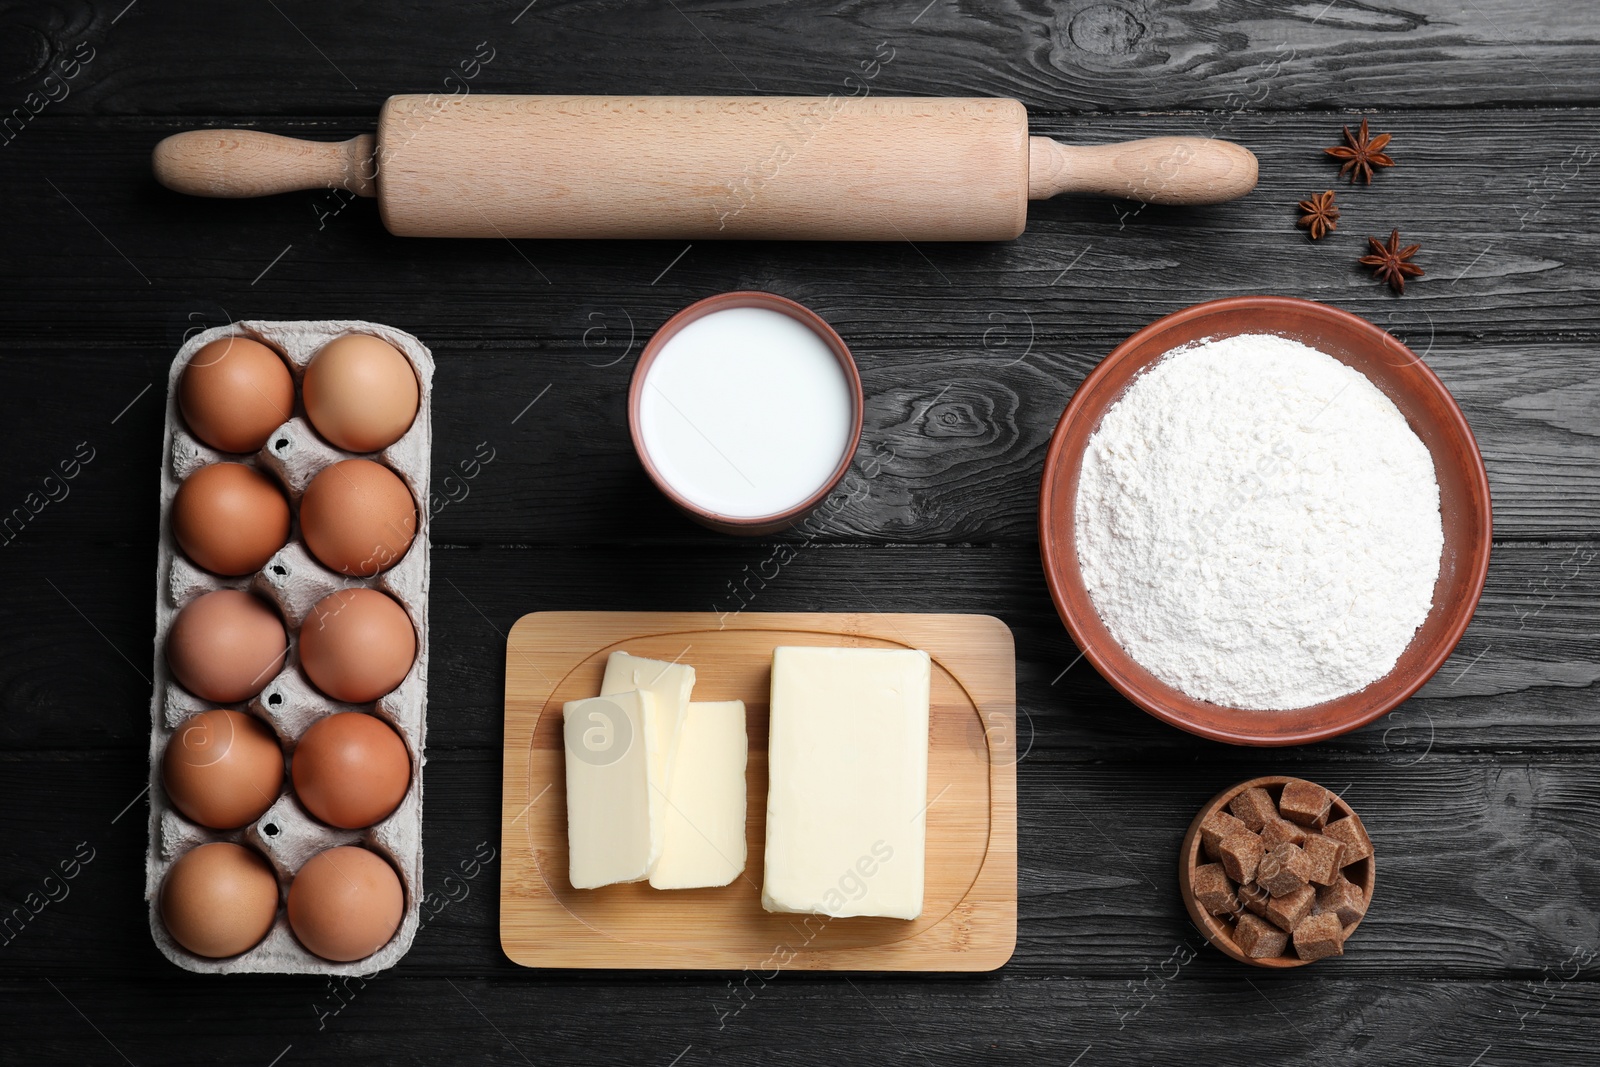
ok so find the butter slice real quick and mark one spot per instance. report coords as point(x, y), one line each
point(847, 761)
point(703, 843)
point(612, 829)
point(670, 684)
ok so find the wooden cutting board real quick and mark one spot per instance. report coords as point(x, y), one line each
point(969, 917)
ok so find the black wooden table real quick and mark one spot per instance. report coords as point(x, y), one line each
point(1481, 792)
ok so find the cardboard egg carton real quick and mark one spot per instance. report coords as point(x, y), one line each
point(293, 581)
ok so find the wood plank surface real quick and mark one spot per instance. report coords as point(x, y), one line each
point(1482, 947)
point(1172, 1004)
point(952, 444)
point(969, 908)
point(1082, 55)
point(1097, 868)
point(1522, 680)
point(1504, 202)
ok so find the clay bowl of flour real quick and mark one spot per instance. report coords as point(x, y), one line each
point(1197, 596)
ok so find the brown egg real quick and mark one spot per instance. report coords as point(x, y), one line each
point(346, 903)
point(219, 899)
point(223, 769)
point(357, 644)
point(226, 646)
point(360, 392)
point(230, 518)
point(358, 517)
point(351, 770)
point(234, 393)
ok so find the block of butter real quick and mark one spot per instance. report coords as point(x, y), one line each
point(612, 834)
point(670, 684)
point(703, 841)
point(847, 762)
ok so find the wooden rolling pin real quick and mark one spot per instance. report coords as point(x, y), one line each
point(795, 168)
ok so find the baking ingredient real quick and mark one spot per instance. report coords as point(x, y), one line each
point(1319, 937)
point(360, 393)
point(226, 646)
point(1324, 853)
point(1344, 898)
point(1253, 807)
point(847, 762)
point(346, 903)
point(1257, 525)
point(1319, 217)
point(1352, 837)
point(234, 392)
point(230, 518)
point(612, 834)
point(1390, 262)
point(746, 412)
point(219, 899)
point(671, 684)
point(222, 768)
point(703, 841)
point(351, 770)
point(358, 517)
point(1361, 153)
point(1305, 803)
point(357, 644)
point(1255, 887)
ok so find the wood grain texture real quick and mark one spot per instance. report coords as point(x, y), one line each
point(1505, 203)
point(1522, 680)
point(969, 916)
point(413, 1019)
point(238, 163)
point(1097, 889)
point(1079, 55)
point(706, 168)
point(953, 439)
point(1154, 170)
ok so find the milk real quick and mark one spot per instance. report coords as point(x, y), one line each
point(746, 412)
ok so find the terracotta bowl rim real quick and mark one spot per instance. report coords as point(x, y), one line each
point(747, 524)
point(1166, 702)
point(1210, 926)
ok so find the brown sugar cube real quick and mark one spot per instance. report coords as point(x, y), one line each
point(1319, 937)
point(1281, 832)
point(1287, 912)
point(1240, 854)
point(1255, 898)
point(1258, 938)
point(1353, 836)
point(1253, 807)
point(1284, 870)
point(1306, 803)
point(1214, 889)
point(1343, 899)
point(1324, 853)
point(1216, 826)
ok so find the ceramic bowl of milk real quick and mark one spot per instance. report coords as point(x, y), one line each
point(745, 410)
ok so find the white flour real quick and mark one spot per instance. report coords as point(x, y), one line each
point(1257, 525)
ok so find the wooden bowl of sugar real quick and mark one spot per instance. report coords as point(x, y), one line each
point(1219, 930)
point(1430, 412)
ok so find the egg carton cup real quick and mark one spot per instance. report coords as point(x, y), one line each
point(293, 581)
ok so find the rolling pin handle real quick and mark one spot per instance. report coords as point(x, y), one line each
point(241, 163)
point(1156, 170)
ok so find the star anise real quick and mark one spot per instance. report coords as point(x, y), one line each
point(1361, 152)
point(1320, 217)
point(1391, 263)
